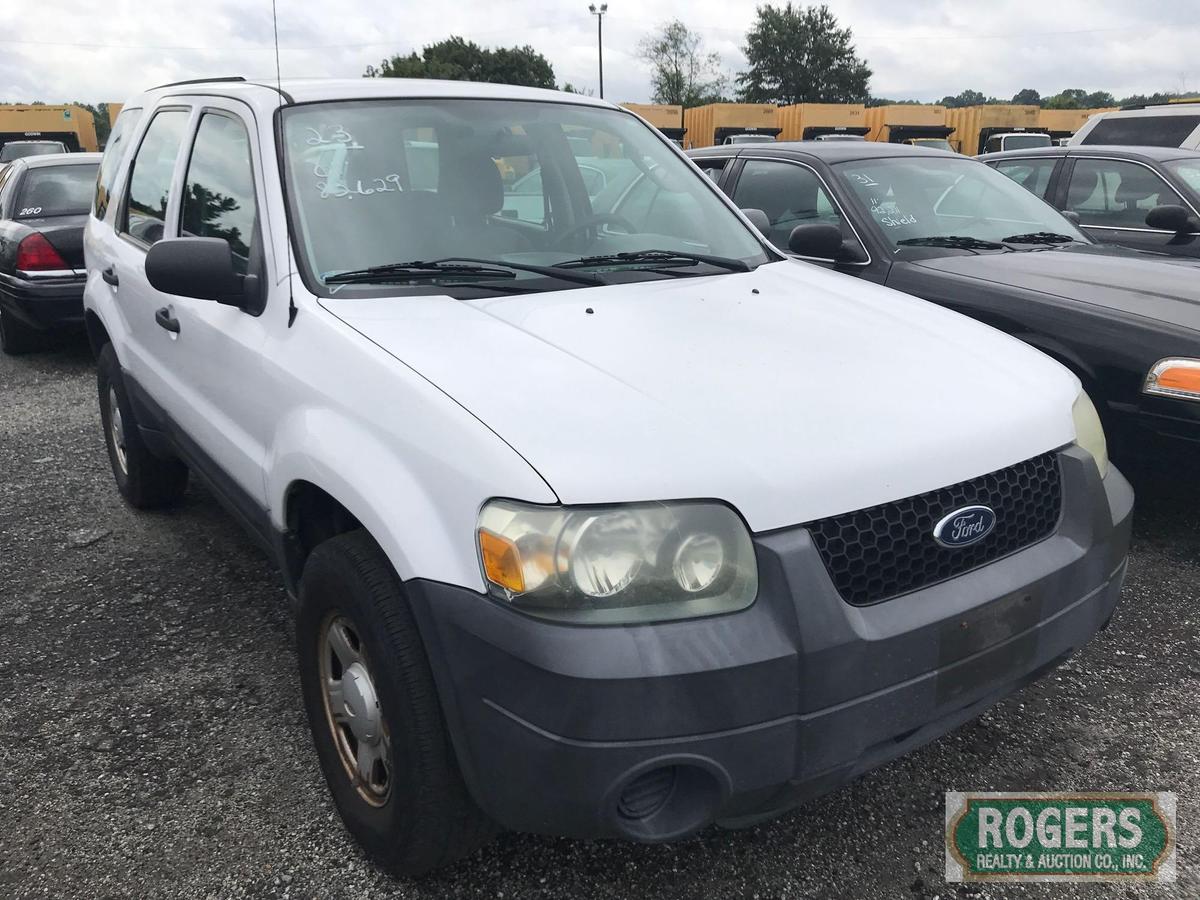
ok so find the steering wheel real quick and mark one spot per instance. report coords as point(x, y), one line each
point(591, 222)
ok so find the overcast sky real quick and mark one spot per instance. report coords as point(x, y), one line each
point(105, 50)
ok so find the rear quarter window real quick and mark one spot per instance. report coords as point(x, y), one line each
point(1146, 131)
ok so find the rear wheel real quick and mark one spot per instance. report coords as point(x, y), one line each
point(16, 337)
point(374, 712)
point(144, 480)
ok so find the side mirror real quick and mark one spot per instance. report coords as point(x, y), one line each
point(201, 268)
point(1071, 216)
point(759, 220)
point(1172, 217)
point(819, 241)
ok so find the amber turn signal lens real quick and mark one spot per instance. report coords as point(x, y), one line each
point(501, 561)
point(1175, 378)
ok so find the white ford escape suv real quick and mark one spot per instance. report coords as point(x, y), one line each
point(602, 519)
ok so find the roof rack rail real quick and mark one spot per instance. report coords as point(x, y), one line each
point(199, 81)
point(1168, 103)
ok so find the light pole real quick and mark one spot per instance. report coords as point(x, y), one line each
point(598, 12)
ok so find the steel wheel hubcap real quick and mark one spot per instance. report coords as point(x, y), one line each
point(352, 710)
point(117, 426)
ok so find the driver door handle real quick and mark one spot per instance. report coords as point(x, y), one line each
point(110, 276)
point(165, 320)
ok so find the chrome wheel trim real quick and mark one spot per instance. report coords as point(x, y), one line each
point(352, 711)
point(116, 426)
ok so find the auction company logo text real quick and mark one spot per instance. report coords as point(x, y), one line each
point(1060, 836)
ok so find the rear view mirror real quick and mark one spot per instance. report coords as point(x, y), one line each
point(1071, 216)
point(201, 268)
point(759, 220)
point(1171, 217)
point(820, 241)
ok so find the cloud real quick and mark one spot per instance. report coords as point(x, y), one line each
point(923, 49)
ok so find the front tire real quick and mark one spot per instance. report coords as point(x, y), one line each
point(374, 713)
point(145, 481)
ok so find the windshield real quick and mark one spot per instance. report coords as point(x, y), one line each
point(1021, 141)
point(9, 152)
point(937, 195)
point(1187, 171)
point(374, 183)
point(56, 191)
point(750, 139)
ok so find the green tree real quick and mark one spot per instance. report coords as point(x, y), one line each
point(798, 54)
point(680, 71)
point(1027, 97)
point(966, 98)
point(457, 59)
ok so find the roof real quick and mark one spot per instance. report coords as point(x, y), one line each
point(1154, 154)
point(266, 93)
point(829, 151)
point(61, 159)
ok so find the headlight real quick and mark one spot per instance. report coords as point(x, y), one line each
point(609, 565)
point(1174, 378)
point(1089, 433)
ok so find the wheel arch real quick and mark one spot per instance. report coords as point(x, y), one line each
point(97, 334)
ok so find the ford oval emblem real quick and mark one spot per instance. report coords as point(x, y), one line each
point(965, 526)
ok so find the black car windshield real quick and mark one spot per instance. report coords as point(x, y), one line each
point(56, 191)
point(380, 182)
point(938, 196)
point(18, 150)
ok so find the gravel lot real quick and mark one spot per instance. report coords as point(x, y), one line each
point(152, 741)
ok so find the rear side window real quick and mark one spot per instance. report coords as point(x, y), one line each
point(55, 191)
point(218, 191)
point(1147, 131)
point(122, 130)
point(1031, 174)
point(150, 176)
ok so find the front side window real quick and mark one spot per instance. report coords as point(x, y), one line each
point(150, 176)
point(912, 200)
point(1114, 194)
point(55, 191)
point(118, 140)
point(391, 181)
point(1031, 174)
point(790, 195)
point(1188, 172)
point(218, 189)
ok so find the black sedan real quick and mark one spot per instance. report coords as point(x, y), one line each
point(44, 204)
point(1143, 197)
point(954, 231)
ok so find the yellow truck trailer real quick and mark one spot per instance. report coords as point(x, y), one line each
point(808, 121)
point(975, 125)
point(666, 117)
point(719, 123)
point(1062, 123)
point(71, 125)
point(908, 123)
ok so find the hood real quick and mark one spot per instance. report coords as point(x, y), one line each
point(1157, 287)
point(790, 392)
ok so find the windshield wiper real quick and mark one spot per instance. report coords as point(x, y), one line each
point(454, 267)
point(1040, 237)
point(951, 241)
point(668, 257)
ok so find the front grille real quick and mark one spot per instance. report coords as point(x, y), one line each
point(879, 553)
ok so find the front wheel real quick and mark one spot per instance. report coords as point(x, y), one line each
point(374, 713)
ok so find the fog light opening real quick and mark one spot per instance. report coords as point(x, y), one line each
point(667, 802)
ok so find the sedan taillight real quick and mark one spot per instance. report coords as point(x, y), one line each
point(36, 254)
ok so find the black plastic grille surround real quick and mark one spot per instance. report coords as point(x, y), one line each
point(882, 552)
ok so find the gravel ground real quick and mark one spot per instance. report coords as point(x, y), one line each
point(152, 740)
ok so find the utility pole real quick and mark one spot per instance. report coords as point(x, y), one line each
point(598, 12)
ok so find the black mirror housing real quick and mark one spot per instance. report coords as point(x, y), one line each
point(759, 220)
point(1170, 217)
point(1071, 216)
point(821, 241)
point(201, 268)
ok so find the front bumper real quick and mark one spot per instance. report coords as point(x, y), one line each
point(44, 303)
point(653, 731)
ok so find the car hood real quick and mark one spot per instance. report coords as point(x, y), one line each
point(1158, 287)
point(790, 392)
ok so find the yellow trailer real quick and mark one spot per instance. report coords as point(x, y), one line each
point(114, 110)
point(73, 126)
point(807, 121)
point(666, 117)
point(1062, 123)
point(974, 125)
point(718, 122)
point(907, 123)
